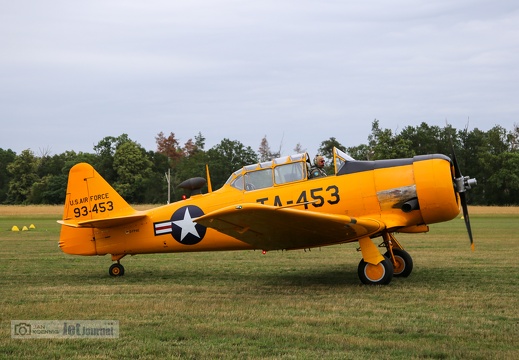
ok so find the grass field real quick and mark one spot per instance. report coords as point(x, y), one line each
point(456, 304)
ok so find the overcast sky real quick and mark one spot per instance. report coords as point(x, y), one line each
point(297, 71)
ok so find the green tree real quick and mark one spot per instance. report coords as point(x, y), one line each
point(200, 141)
point(189, 161)
point(51, 189)
point(105, 151)
point(23, 176)
point(156, 186)
point(326, 148)
point(488, 156)
point(475, 160)
point(491, 157)
point(192, 147)
point(498, 140)
point(423, 139)
point(6, 157)
point(227, 157)
point(513, 138)
point(359, 152)
point(384, 145)
point(133, 167)
point(51, 180)
point(502, 186)
point(189, 167)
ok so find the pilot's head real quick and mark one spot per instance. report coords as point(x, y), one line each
point(319, 161)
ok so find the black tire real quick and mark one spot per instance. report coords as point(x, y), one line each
point(404, 263)
point(116, 270)
point(380, 274)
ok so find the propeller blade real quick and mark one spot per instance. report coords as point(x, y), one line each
point(466, 218)
point(457, 171)
point(461, 185)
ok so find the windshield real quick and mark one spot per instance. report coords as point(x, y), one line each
point(340, 158)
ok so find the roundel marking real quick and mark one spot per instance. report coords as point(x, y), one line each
point(183, 229)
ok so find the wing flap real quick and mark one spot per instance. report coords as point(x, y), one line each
point(273, 228)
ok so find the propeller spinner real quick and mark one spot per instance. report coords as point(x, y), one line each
point(462, 184)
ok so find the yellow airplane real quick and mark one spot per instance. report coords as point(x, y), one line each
point(275, 205)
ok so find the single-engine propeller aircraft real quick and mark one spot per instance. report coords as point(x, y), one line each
point(275, 205)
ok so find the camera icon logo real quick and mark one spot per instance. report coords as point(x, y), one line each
point(22, 329)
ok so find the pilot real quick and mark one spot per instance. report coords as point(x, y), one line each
point(318, 169)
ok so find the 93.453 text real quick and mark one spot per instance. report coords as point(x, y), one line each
point(100, 207)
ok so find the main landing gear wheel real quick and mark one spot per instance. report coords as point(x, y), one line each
point(403, 265)
point(380, 274)
point(116, 270)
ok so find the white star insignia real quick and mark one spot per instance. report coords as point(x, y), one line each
point(187, 225)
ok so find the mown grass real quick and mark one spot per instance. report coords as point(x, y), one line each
point(456, 304)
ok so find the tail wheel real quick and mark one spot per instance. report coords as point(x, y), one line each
point(403, 265)
point(380, 274)
point(116, 270)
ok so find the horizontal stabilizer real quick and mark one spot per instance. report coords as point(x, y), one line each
point(103, 223)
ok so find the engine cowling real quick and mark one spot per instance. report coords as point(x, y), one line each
point(436, 193)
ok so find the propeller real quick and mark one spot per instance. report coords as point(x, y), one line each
point(462, 184)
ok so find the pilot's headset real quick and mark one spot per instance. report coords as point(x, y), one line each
point(318, 159)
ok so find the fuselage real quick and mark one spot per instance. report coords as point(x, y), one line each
point(404, 194)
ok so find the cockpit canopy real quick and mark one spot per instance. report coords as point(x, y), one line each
point(271, 173)
point(280, 171)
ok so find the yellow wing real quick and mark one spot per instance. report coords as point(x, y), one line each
point(273, 228)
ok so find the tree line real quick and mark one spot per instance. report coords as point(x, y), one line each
point(139, 175)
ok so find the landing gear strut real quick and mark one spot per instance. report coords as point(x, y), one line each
point(402, 263)
point(401, 260)
point(375, 269)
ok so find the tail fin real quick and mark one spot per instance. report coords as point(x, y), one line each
point(90, 203)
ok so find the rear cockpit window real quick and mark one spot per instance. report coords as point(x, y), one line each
point(258, 179)
point(289, 173)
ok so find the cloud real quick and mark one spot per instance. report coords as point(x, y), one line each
point(296, 71)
